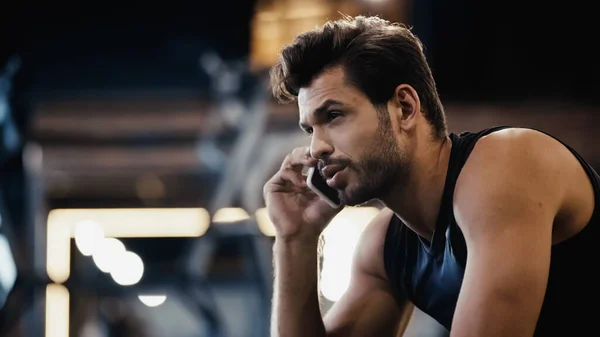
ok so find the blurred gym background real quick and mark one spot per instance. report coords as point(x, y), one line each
point(135, 138)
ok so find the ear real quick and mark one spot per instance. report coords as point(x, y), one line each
point(405, 106)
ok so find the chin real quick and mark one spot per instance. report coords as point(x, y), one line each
point(355, 197)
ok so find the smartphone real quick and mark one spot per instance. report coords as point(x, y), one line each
point(317, 183)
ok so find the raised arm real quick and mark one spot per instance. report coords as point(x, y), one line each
point(299, 216)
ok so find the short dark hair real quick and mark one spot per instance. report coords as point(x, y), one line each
point(376, 57)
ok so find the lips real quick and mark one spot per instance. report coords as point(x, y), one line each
point(330, 170)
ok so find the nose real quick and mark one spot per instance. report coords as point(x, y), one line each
point(320, 148)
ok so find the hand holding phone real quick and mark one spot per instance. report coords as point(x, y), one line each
point(296, 213)
point(318, 184)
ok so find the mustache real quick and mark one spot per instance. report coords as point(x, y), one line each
point(332, 161)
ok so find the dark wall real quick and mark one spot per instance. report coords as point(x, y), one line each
point(111, 45)
point(511, 50)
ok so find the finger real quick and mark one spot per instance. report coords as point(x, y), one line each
point(288, 178)
point(304, 152)
point(297, 179)
point(284, 181)
point(301, 151)
point(298, 159)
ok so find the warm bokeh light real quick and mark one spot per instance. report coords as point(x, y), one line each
point(58, 249)
point(107, 254)
point(341, 237)
point(57, 311)
point(117, 222)
point(152, 300)
point(129, 269)
point(88, 236)
point(140, 222)
point(230, 214)
point(264, 223)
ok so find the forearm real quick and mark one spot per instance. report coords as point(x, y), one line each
point(295, 301)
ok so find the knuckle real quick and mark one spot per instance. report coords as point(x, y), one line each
point(271, 181)
point(268, 186)
point(289, 161)
point(298, 151)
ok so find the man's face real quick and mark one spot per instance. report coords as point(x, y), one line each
point(354, 141)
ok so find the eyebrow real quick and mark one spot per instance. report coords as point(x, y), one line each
point(321, 110)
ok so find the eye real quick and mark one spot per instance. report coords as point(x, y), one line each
point(309, 131)
point(333, 114)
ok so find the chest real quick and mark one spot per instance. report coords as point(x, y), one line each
point(433, 275)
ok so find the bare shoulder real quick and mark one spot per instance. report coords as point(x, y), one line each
point(519, 154)
point(368, 257)
point(533, 146)
point(521, 141)
point(512, 168)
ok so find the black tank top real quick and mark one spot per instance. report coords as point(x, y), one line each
point(431, 274)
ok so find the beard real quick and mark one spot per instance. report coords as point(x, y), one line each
point(384, 167)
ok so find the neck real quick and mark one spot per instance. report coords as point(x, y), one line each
point(417, 201)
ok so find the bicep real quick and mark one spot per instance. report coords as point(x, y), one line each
point(504, 284)
point(367, 308)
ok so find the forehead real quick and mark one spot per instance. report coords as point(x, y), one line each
point(331, 85)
